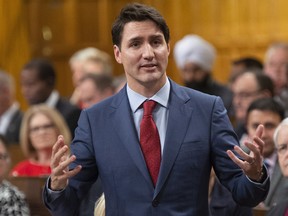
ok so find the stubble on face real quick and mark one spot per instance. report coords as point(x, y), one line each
point(144, 55)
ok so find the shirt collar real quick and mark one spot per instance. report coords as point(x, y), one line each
point(161, 97)
point(52, 99)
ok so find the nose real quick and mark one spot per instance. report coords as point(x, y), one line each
point(148, 52)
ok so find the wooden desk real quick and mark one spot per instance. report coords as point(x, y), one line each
point(257, 211)
point(32, 188)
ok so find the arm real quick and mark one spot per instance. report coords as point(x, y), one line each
point(55, 188)
point(245, 191)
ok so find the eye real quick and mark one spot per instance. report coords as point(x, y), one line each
point(135, 44)
point(282, 148)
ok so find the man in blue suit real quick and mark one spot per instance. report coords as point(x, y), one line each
point(195, 135)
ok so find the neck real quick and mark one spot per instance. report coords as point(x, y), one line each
point(147, 89)
point(44, 156)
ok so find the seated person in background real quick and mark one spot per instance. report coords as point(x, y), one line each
point(119, 82)
point(38, 80)
point(12, 201)
point(40, 129)
point(247, 87)
point(88, 60)
point(10, 113)
point(244, 64)
point(94, 88)
point(281, 144)
point(100, 206)
point(195, 58)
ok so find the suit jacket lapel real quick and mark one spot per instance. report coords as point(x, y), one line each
point(179, 117)
point(124, 127)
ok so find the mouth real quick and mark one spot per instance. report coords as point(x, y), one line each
point(148, 66)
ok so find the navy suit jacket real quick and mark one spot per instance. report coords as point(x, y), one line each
point(198, 134)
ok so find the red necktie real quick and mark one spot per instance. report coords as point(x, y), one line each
point(150, 141)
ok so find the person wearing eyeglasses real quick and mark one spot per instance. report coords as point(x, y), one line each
point(39, 131)
point(281, 144)
point(12, 201)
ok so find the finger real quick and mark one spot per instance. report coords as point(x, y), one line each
point(60, 182)
point(259, 131)
point(63, 166)
point(242, 154)
point(259, 143)
point(56, 159)
point(234, 158)
point(59, 144)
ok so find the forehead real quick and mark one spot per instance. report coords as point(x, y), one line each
point(283, 134)
point(140, 29)
point(263, 116)
point(39, 118)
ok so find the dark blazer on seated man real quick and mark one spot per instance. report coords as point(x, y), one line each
point(106, 145)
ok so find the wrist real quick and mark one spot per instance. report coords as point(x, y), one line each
point(261, 175)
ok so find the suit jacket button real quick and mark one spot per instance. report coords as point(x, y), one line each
point(155, 203)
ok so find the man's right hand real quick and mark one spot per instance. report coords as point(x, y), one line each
point(60, 161)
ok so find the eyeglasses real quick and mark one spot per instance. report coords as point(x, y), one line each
point(282, 149)
point(3, 156)
point(45, 127)
point(244, 95)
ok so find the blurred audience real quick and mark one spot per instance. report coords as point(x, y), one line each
point(194, 58)
point(88, 60)
point(38, 79)
point(40, 128)
point(275, 65)
point(281, 144)
point(94, 88)
point(244, 64)
point(119, 82)
point(247, 87)
point(10, 113)
point(12, 201)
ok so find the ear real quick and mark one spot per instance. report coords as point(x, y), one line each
point(168, 48)
point(117, 54)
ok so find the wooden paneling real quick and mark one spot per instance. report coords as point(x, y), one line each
point(58, 28)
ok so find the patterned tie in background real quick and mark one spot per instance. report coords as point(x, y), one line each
point(150, 140)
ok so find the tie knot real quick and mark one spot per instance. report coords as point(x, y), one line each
point(149, 106)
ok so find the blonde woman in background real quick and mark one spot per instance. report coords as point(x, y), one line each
point(40, 128)
point(100, 206)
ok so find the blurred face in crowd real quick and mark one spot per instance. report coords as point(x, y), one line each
point(144, 55)
point(43, 133)
point(270, 120)
point(276, 68)
point(193, 73)
point(245, 90)
point(282, 145)
point(77, 71)
point(5, 99)
point(4, 161)
point(33, 89)
point(90, 94)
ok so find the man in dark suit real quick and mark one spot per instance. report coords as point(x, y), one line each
point(38, 79)
point(194, 135)
point(10, 113)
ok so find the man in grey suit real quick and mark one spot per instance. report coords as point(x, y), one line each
point(194, 133)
